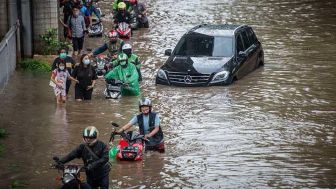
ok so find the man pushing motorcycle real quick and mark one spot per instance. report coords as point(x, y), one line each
point(95, 157)
point(149, 125)
point(128, 74)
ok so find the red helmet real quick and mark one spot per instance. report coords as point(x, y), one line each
point(133, 2)
point(112, 35)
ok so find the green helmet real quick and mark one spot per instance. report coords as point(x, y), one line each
point(122, 59)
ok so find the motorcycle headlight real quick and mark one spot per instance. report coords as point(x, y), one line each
point(162, 74)
point(220, 76)
point(68, 178)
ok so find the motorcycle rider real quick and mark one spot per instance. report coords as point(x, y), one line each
point(127, 73)
point(116, 2)
point(113, 45)
point(87, 10)
point(122, 15)
point(132, 58)
point(94, 154)
point(149, 125)
point(140, 12)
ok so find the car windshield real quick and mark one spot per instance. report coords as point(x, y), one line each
point(204, 45)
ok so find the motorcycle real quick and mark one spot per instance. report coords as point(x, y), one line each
point(97, 27)
point(124, 30)
point(70, 177)
point(113, 89)
point(131, 145)
point(139, 21)
point(102, 65)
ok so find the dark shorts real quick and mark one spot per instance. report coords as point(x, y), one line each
point(81, 93)
point(77, 43)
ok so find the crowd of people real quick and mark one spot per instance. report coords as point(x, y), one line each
point(124, 66)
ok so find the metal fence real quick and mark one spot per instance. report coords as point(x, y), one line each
point(8, 56)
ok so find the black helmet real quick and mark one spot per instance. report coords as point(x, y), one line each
point(145, 102)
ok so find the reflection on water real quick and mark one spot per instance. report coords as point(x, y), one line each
point(274, 128)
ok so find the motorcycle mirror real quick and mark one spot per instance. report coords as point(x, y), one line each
point(114, 124)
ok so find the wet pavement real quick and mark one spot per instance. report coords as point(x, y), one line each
point(275, 128)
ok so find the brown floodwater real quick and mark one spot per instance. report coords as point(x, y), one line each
point(275, 128)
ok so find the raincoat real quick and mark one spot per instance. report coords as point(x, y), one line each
point(129, 75)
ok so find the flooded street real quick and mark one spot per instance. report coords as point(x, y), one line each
point(275, 128)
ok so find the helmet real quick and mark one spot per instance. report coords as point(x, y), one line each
point(90, 132)
point(122, 6)
point(90, 135)
point(113, 35)
point(145, 102)
point(122, 59)
point(126, 46)
point(127, 49)
point(133, 2)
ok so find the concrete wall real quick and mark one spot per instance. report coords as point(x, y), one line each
point(3, 18)
point(45, 16)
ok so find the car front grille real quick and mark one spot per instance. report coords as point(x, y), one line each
point(188, 79)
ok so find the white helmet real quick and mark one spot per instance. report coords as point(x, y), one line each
point(127, 49)
point(126, 46)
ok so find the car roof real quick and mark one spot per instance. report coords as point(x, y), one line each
point(216, 30)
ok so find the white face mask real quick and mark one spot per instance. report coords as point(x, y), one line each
point(86, 61)
point(61, 67)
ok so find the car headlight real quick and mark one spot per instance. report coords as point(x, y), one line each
point(220, 76)
point(162, 74)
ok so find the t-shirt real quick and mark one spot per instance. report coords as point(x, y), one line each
point(61, 76)
point(84, 75)
point(134, 121)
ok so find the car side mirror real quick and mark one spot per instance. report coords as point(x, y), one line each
point(242, 54)
point(168, 52)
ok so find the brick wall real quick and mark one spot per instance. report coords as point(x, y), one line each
point(45, 16)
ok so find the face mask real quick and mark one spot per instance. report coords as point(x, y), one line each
point(63, 55)
point(86, 61)
point(61, 67)
point(128, 52)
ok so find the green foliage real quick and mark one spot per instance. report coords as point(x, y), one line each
point(18, 184)
point(35, 65)
point(3, 133)
point(52, 44)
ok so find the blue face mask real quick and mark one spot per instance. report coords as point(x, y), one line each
point(86, 61)
point(63, 55)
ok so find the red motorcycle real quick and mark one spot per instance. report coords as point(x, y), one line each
point(131, 145)
point(124, 30)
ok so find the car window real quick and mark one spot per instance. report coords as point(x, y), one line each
point(204, 45)
point(240, 46)
point(246, 40)
point(223, 47)
point(252, 36)
point(195, 45)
